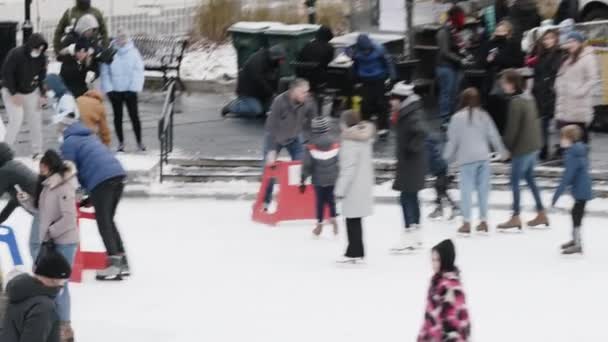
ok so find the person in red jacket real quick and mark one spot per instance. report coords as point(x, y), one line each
point(446, 317)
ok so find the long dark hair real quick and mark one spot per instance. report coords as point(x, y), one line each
point(470, 99)
point(55, 164)
point(576, 54)
point(542, 50)
point(514, 78)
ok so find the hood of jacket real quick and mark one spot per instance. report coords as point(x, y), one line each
point(364, 42)
point(122, 50)
point(24, 287)
point(578, 150)
point(409, 105)
point(77, 129)
point(324, 34)
point(36, 40)
point(57, 179)
point(323, 141)
point(94, 94)
point(363, 131)
point(6, 153)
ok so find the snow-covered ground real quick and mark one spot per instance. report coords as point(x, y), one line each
point(204, 272)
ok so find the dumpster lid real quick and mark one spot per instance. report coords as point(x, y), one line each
point(293, 29)
point(350, 39)
point(253, 26)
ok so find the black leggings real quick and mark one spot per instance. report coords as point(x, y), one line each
point(374, 102)
point(578, 212)
point(354, 231)
point(119, 99)
point(105, 198)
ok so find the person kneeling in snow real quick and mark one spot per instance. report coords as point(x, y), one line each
point(321, 162)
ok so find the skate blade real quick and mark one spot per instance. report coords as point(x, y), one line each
point(541, 227)
point(115, 278)
point(511, 230)
point(464, 235)
point(350, 262)
point(482, 233)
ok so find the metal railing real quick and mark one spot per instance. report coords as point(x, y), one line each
point(165, 125)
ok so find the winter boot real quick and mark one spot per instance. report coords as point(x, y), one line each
point(465, 228)
point(540, 220)
point(125, 270)
point(514, 222)
point(410, 241)
point(482, 227)
point(437, 214)
point(568, 244)
point(112, 272)
point(318, 229)
point(334, 224)
point(66, 334)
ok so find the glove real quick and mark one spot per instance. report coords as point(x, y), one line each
point(302, 188)
point(23, 196)
point(90, 77)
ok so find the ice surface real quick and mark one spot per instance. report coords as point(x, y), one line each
point(204, 272)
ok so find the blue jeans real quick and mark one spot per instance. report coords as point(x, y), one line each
point(410, 207)
point(448, 91)
point(246, 106)
point(63, 300)
point(325, 197)
point(523, 167)
point(474, 177)
point(34, 237)
point(294, 147)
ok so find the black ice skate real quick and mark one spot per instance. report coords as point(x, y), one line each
point(437, 214)
point(112, 272)
point(125, 270)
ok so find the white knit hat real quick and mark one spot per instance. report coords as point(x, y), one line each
point(85, 23)
point(402, 89)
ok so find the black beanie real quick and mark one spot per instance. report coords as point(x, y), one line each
point(53, 265)
point(447, 254)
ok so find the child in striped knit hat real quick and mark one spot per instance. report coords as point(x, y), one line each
point(321, 163)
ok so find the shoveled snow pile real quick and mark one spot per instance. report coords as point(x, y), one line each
point(210, 62)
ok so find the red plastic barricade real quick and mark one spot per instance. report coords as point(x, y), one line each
point(86, 260)
point(291, 204)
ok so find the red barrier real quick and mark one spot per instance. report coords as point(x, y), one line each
point(86, 260)
point(291, 204)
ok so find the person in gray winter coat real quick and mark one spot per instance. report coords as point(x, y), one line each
point(321, 162)
point(411, 159)
point(12, 173)
point(355, 184)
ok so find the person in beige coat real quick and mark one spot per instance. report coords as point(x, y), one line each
point(355, 184)
point(55, 204)
point(576, 85)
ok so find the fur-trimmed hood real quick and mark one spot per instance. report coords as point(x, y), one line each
point(363, 131)
point(56, 179)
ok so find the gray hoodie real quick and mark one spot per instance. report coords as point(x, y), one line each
point(469, 141)
point(321, 160)
point(288, 120)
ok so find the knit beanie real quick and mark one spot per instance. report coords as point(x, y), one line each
point(447, 254)
point(53, 265)
point(576, 35)
point(320, 124)
point(85, 23)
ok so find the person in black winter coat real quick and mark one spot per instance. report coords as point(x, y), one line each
point(321, 52)
point(257, 83)
point(411, 158)
point(76, 69)
point(14, 173)
point(23, 74)
point(501, 53)
point(31, 313)
point(524, 16)
point(549, 61)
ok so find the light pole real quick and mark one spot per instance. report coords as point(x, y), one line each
point(28, 28)
point(409, 24)
point(312, 11)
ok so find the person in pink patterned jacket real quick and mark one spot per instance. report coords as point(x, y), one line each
point(446, 318)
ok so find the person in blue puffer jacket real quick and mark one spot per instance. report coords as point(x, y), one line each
point(121, 81)
point(576, 176)
point(373, 67)
point(103, 177)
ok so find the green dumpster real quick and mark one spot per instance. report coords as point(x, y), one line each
point(292, 38)
point(248, 37)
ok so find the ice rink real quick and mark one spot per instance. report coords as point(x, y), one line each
point(204, 272)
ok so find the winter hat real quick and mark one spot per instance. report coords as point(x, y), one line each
point(402, 89)
point(447, 254)
point(576, 35)
point(320, 124)
point(83, 44)
point(55, 84)
point(53, 265)
point(66, 110)
point(350, 118)
point(324, 34)
point(277, 52)
point(85, 23)
point(6, 153)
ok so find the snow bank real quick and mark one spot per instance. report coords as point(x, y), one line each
point(210, 62)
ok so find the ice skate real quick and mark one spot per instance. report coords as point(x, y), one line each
point(513, 223)
point(334, 224)
point(540, 221)
point(574, 249)
point(350, 261)
point(455, 213)
point(482, 227)
point(121, 148)
point(141, 147)
point(410, 242)
point(437, 214)
point(66, 333)
point(383, 133)
point(125, 270)
point(465, 229)
point(318, 230)
point(568, 244)
point(112, 272)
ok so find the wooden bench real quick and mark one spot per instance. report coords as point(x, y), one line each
point(162, 54)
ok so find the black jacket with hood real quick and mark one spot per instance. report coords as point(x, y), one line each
point(259, 77)
point(318, 51)
point(22, 73)
point(13, 172)
point(31, 312)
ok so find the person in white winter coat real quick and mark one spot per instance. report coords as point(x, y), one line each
point(354, 187)
point(577, 82)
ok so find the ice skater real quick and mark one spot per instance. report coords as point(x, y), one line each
point(576, 176)
point(446, 317)
point(411, 161)
point(355, 184)
point(321, 162)
point(438, 167)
